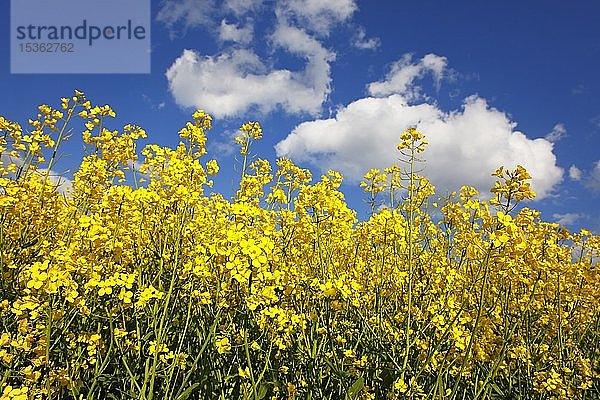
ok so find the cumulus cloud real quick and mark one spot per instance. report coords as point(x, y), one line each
point(234, 81)
point(466, 145)
point(234, 33)
point(360, 40)
point(403, 73)
point(558, 132)
point(567, 218)
point(575, 173)
point(237, 80)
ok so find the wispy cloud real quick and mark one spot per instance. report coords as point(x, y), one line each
point(400, 79)
point(567, 218)
point(154, 105)
point(593, 178)
point(360, 40)
point(575, 173)
point(317, 16)
point(234, 33)
point(558, 132)
point(187, 13)
point(579, 89)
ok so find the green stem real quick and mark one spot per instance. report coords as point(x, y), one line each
point(410, 259)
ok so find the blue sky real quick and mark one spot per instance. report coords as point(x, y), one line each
point(334, 84)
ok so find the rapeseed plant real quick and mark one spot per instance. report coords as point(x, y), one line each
point(129, 289)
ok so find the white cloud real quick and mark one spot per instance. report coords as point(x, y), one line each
point(317, 71)
point(403, 73)
point(224, 144)
point(191, 13)
point(156, 106)
point(558, 132)
point(234, 33)
point(566, 219)
point(593, 179)
point(575, 173)
point(360, 40)
point(466, 145)
point(237, 80)
point(316, 15)
point(204, 13)
point(242, 7)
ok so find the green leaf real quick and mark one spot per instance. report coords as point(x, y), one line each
point(187, 392)
point(355, 389)
point(497, 389)
point(262, 391)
